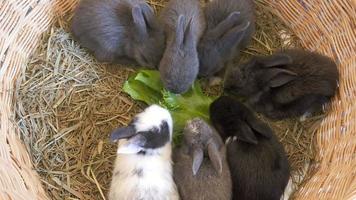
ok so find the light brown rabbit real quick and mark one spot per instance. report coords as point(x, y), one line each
point(198, 176)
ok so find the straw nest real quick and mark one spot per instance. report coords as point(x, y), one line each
point(67, 104)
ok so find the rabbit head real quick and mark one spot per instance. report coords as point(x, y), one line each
point(147, 37)
point(149, 131)
point(259, 74)
point(233, 119)
point(218, 45)
point(199, 136)
point(180, 65)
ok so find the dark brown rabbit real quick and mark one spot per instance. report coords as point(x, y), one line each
point(119, 31)
point(229, 27)
point(287, 84)
point(198, 176)
point(258, 163)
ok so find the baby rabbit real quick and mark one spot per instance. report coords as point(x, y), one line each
point(229, 27)
point(198, 177)
point(121, 31)
point(183, 23)
point(143, 169)
point(257, 160)
point(289, 83)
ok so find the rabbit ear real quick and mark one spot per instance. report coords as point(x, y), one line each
point(149, 15)
point(198, 156)
point(133, 145)
point(180, 29)
point(276, 60)
point(245, 134)
point(139, 22)
point(234, 36)
point(225, 25)
point(188, 34)
point(121, 133)
point(280, 80)
point(277, 77)
point(215, 156)
point(258, 126)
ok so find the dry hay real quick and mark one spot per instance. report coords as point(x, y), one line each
point(68, 104)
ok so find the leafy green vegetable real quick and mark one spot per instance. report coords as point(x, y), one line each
point(146, 86)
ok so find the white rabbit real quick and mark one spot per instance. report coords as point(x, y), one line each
point(143, 167)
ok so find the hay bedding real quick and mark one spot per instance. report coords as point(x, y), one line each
point(68, 104)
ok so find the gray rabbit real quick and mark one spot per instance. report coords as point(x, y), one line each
point(119, 31)
point(183, 23)
point(229, 27)
point(196, 176)
point(289, 83)
point(257, 160)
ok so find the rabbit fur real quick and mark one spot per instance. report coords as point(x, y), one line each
point(183, 23)
point(198, 176)
point(143, 167)
point(286, 84)
point(119, 31)
point(229, 28)
point(257, 160)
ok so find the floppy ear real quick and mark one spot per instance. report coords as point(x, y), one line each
point(276, 60)
point(198, 156)
point(180, 29)
point(236, 34)
point(132, 146)
point(259, 126)
point(225, 25)
point(121, 133)
point(188, 34)
point(149, 15)
point(280, 80)
point(215, 156)
point(277, 77)
point(139, 22)
point(245, 134)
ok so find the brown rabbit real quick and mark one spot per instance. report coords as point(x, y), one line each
point(197, 176)
point(287, 84)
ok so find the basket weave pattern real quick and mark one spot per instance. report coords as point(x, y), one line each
point(322, 25)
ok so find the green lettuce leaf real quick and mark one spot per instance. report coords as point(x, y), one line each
point(146, 86)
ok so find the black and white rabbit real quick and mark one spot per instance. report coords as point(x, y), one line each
point(257, 160)
point(289, 83)
point(229, 28)
point(197, 176)
point(143, 167)
point(183, 23)
point(120, 31)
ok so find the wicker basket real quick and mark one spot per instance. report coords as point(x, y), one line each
point(322, 25)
